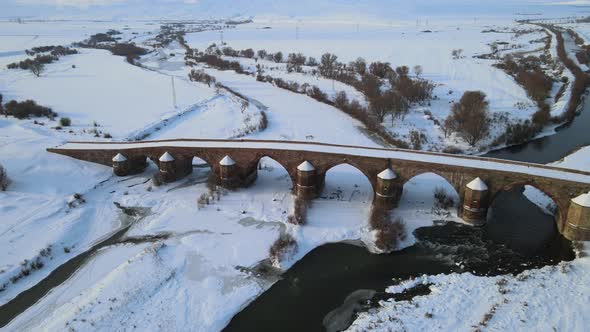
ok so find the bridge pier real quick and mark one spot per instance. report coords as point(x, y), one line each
point(172, 169)
point(577, 225)
point(475, 203)
point(307, 184)
point(388, 192)
point(123, 166)
point(228, 176)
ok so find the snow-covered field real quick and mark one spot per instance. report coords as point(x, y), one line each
point(193, 266)
point(402, 43)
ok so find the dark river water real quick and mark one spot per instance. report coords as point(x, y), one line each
point(325, 289)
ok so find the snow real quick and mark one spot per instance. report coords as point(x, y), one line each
point(582, 200)
point(204, 261)
point(93, 92)
point(227, 161)
point(399, 154)
point(387, 174)
point(462, 302)
point(166, 157)
point(119, 158)
point(306, 166)
point(477, 184)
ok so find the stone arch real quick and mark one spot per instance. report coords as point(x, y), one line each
point(562, 207)
point(291, 174)
point(454, 193)
point(413, 173)
point(352, 190)
point(372, 179)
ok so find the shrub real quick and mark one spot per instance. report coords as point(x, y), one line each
point(284, 245)
point(26, 109)
point(380, 69)
point(389, 234)
point(65, 122)
point(261, 54)
point(295, 62)
point(452, 150)
point(341, 100)
point(359, 66)
point(247, 53)
point(157, 180)
point(63, 51)
point(201, 76)
point(417, 138)
point(299, 216)
point(278, 57)
point(217, 62)
point(520, 132)
point(442, 199)
point(311, 61)
point(4, 181)
point(128, 50)
point(100, 38)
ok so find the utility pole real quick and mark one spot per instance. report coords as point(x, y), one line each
point(173, 92)
point(296, 31)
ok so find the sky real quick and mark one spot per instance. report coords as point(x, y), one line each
point(121, 9)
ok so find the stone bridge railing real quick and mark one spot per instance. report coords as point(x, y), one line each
point(234, 162)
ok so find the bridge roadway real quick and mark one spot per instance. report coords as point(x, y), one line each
point(477, 180)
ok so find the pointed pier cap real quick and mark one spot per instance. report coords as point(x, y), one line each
point(582, 200)
point(166, 157)
point(119, 158)
point(306, 166)
point(387, 174)
point(477, 184)
point(227, 161)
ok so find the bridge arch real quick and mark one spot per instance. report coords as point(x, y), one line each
point(372, 178)
point(269, 164)
point(347, 182)
point(516, 220)
point(423, 186)
point(561, 205)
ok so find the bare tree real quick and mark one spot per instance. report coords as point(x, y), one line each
point(3, 179)
point(469, 117)
point(295, 62)
point(36, 67)
point(341, 100)
point(418, 70)
point(278, 57)
point(359, 66)
point(328, 65)
point(457, 54)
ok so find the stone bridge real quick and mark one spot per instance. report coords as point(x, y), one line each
point(234, 162)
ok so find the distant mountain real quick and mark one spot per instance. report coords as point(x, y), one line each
point(184, 9)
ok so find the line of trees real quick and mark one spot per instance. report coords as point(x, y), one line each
point(201, 76)
point(25, 109)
